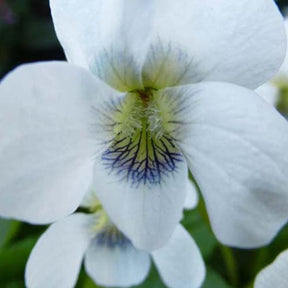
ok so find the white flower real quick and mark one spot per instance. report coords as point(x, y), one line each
point(110, 259)
point(59, 122)
point(271, 90)
point(274, 275)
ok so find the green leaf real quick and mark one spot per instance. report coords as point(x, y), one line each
point(14, 284)
point(214, 280)
point(13, 260)
point(153, 280)
point(4, 229)
point(8, 230)
point(200, 231)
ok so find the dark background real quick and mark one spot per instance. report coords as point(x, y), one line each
point(27, 35)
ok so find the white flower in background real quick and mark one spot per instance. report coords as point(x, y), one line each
point(192, 197)
point(274, 275)
point(275, 91)
point(110, 259)
point(142, 110)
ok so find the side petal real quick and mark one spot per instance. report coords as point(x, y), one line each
point(48, 144)
point(192, 197)
point(269, 92)
point(116, 266)
point(275, 275)
point(284, 68)
point(179, 262)
point(242, 42)
point(236, 147)
point(108, 36)
point(147, 213)
point(56, 259)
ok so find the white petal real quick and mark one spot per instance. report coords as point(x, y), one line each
point(269, 92)
point(236, 145)
point(90, 200)
point(146, 212)
point(284, 68)
point(108, 36)
point(56, 259)
point(47, 146)
point(192, 197)
point(242, 42)
point(179, 262)
point(117, 266)
point(275, 275)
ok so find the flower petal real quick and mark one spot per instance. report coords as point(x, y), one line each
point(192, 197)
point(56, 259)
point(47, 145)
point(284, 68)
point(242, 42)
point(275, 275)
point(269, 92)
point(179, 262)
point(146, 212)
point(116, 266)
point(108, 36)
point(236, 145)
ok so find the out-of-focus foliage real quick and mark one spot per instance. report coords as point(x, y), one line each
point(27, 35)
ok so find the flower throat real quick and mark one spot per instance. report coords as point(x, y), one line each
point(142, 150)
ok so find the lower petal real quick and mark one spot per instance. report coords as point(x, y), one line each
point(56, 259)
point(146, 211)
point(116, 264)
point(179, 262)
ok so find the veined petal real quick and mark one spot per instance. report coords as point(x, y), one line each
point(242, 42)
point(49, 139)
point(146, 211)
point(179, 262)
point(56, 259)
point(115, 263)
point(192, 197)
point(275, 275)
point(236, 145)
point(108, 36)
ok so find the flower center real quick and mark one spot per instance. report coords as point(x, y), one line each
point(142, 150)
point(106, 233)
point(112, 237)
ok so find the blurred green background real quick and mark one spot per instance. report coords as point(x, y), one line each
point(27, 35)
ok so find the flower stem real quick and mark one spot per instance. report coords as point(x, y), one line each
point(231, 264)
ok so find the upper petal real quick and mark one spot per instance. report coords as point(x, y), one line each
point(179, 262)
point(146, 211)
point(275, 275)
point(117, 265)
point(242, 42)
point(108, 36)
point(236, 147)
point(56, 259)
point(47, 144)
point(284, 68)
